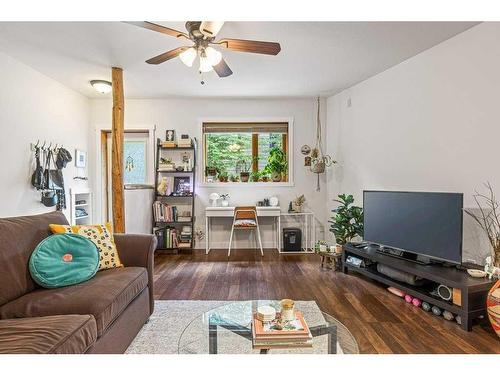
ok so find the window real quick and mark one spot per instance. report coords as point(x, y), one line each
point(241, 152)
point(134, 152)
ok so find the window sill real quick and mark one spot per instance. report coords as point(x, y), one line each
point(219, 185)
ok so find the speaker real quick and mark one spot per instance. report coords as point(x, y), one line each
point(444, 292)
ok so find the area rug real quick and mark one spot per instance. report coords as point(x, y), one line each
point(169, 328)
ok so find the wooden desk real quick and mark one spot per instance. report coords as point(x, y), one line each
point(215, 212)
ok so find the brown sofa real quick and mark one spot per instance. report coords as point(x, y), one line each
point(101, 315)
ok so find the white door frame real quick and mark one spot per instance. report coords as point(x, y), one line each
point(99, 196)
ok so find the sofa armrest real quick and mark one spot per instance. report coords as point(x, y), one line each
point(137, 250)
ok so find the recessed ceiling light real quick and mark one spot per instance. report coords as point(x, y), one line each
point(101, 86)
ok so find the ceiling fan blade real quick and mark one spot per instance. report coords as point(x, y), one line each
point(211, 28)
point(222, 69)
point(253, 46)
point(166, 56)
point(159, 29)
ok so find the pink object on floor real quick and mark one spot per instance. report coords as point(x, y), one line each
point(416, 302)
point(408, 298)
point(396, 291)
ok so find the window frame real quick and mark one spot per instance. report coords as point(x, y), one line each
point(289, 148)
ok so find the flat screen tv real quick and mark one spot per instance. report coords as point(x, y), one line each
point(426, 224)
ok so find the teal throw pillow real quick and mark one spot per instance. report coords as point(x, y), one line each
point(64, 259)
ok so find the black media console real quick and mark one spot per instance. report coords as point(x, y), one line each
point(469, 294)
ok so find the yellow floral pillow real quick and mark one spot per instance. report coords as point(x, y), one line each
point(101, 235)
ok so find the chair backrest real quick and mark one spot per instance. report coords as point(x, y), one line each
point(245, 212)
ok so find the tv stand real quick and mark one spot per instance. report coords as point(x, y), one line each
point(403, 255)
point(469, 294)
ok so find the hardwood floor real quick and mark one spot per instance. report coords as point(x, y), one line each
point(380, 321)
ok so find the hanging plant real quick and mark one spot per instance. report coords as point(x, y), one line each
point(319, 160)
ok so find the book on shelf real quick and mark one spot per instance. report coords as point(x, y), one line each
point(163, 212)
point(293, 334)
point(167, 238)
point(168, 144)
point(184, 219)
point(184, 143)
point(166, 167)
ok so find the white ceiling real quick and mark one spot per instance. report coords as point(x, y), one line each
point(315, 58)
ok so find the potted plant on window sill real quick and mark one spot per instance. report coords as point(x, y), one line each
point(211, 171)
point(223, 176)
point(277, 164)
point(244, 165)
point(255, 176)
point(347, 222)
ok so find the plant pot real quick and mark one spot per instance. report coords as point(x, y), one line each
point(211, 171)
point(319, 167)
point(223, 179)
point(265, 179)
point(297, 208)
point(255, 179)
point(493, 307)
point(244, 176)
point(224, 203)
point(276, 177)
point(338, 249)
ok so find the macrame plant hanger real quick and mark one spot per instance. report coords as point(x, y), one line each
point(319, 161)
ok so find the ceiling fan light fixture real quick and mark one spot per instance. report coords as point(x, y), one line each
point(101, 86)
point(188, 56)
point(214, 57)
point(205, 65)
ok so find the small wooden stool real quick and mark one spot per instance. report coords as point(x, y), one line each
point(331, 260)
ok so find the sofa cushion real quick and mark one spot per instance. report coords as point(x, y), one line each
point(101, 236)
point(60, 334)
point(64, 259)
point(105, 296)
point(18, 238)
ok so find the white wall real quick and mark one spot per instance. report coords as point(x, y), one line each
point(431, 123)
point(33, 106)
point(184, 115)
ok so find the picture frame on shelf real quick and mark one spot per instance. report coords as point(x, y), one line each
point(182, 185)
point(170, 135)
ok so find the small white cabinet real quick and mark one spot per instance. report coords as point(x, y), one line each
point(81, 206)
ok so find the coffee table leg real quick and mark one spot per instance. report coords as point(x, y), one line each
point(332, 341)
point(212, 339)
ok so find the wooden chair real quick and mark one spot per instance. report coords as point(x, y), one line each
point(245, 218)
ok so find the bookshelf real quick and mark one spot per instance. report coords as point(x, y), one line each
point(173, 212)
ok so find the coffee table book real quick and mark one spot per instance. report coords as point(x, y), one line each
point(263, 337)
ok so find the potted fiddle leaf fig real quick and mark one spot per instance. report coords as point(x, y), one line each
point(277, 164)
point(347, 222)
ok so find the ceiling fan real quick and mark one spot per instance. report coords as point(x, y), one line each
point(203, 35)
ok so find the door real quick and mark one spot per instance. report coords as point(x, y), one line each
point(138, 174)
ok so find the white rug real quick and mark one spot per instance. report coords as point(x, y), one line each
point(162, 335)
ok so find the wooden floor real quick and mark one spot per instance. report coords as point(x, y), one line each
point(380, 322)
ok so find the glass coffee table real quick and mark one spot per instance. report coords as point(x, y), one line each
point(227, 329)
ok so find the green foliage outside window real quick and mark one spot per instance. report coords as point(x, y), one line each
point(226, 151)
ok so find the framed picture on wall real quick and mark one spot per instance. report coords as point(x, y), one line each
point(80, 158)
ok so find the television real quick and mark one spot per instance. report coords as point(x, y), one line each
point(426, 224)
